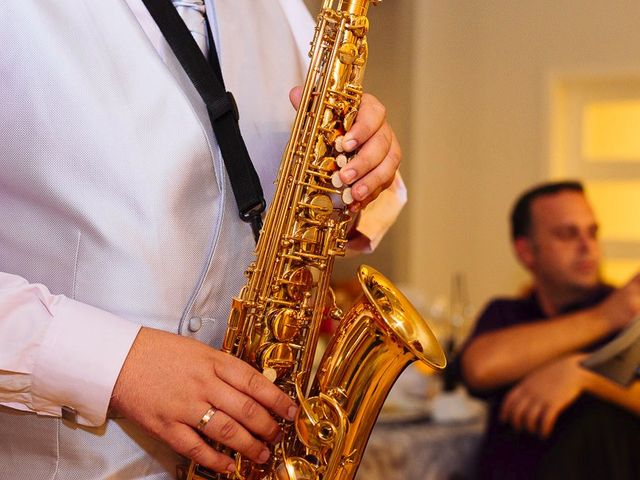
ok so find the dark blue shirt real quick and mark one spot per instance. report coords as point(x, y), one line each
point(507, 454)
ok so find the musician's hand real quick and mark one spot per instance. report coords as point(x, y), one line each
point(168, 382)
point(537, 401)
point(378, 156)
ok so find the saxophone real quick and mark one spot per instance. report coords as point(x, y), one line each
point(274, 322)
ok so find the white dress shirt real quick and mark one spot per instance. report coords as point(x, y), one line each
point(116, 211)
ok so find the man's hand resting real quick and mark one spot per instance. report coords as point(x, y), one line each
point(537, 401)
point(168, 382)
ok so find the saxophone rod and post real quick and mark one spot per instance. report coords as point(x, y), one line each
point(275, 320)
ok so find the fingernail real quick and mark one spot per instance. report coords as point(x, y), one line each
point(349, 175)
point(264, 456)
point(291, 413)
point(231, 467)
point(363, 191)
point(349, 144)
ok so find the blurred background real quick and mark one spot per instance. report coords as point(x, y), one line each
point(487, 98)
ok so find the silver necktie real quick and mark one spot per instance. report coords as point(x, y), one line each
point(192, 12)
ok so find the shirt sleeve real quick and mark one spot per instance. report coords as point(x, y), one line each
point(56, 352)
point(378, 216)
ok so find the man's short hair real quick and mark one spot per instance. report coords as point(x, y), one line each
point(521, 213)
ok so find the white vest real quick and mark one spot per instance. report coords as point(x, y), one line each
point(113, 191)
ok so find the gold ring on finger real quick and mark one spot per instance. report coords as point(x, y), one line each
point(205, 419)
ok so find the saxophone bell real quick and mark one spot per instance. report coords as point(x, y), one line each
point(375, 341)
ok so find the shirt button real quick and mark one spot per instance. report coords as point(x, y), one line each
point(195, 324)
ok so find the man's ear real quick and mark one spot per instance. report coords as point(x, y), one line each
point(524, 251)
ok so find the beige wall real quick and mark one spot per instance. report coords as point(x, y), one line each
point(482, 120)
point(467, 84)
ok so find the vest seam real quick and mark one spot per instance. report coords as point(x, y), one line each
point(55, 472)
point(74, 285)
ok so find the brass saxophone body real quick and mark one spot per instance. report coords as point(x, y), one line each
point(275, 321)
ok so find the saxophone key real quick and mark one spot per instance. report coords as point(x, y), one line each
point(328, 164)
point(336, 181)
point(279, 357)
point(349, 119)
point(270, 374)
point(284, 324)
point(298, 282)
point(347, 196)
point(348, 53)
point(341, 160)
point(359, 26)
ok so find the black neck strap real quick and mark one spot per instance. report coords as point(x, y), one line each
point(223, 111)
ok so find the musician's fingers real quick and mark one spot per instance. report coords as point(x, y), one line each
point(370, 119)
point(227, 431)
point(246, 379)
point(245, 410)
point(187, 442)
point(295, 95)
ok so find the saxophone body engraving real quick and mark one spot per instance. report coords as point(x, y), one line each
point(275, 321)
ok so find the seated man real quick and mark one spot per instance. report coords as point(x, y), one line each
point(549, 417)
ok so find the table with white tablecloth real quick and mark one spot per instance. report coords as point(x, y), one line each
point(422, 450)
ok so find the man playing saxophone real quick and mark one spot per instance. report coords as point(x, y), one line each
point(121, 247)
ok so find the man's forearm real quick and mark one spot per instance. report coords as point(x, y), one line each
point(505, 356)
point(625, 397)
